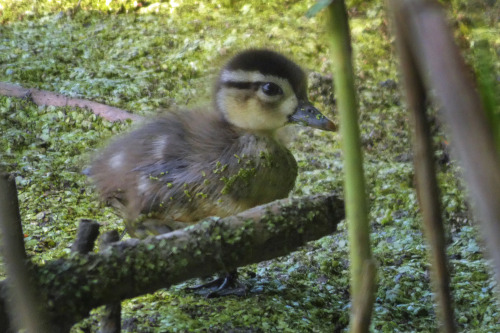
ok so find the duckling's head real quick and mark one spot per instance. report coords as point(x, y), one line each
point(261, 90)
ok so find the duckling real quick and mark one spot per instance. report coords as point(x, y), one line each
point(188, 165)
point(219, 161)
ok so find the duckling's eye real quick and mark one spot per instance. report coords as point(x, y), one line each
point(271, 89)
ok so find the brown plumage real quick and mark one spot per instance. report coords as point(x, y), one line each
point(187, 165)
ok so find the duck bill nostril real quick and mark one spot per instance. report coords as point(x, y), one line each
point(308, 115)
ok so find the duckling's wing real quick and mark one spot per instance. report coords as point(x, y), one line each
point(159, 161)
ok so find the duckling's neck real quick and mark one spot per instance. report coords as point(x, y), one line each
point(260, 133)
point(264, 133)
point(277, 136)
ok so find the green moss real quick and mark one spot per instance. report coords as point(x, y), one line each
point(244, 176)
point(267, 159)
point(153, 57)
point(219, 167)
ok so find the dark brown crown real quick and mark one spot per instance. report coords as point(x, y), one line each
point(270, 63)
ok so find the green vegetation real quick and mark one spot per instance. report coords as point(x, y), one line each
point(149, 58)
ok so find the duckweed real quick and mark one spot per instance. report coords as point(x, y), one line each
point(145, 57)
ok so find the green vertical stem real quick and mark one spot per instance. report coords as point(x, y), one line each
point(362, 267)
point(487, 88)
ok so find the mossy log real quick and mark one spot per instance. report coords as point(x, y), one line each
point(71, 287)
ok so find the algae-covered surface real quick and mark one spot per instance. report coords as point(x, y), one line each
point(148, 57)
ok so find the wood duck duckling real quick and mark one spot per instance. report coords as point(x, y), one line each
point(219, 161)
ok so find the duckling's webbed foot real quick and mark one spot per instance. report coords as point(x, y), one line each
point(225, 285)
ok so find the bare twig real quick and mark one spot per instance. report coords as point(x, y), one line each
point(25, 306)
point(88, 231)
point(447, 76)
point(43, 97)
point(427, 187)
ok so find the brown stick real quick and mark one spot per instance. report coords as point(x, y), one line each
point(88, 231)
point(25, 306)
point(472, 140)
point(43, 97)
point(72, 287)
point(111, 318)
point(427, 186)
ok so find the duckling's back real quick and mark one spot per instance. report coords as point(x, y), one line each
point(188, 165)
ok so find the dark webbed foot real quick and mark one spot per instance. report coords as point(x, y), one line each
point(225, 285)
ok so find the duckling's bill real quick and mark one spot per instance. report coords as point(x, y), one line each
point(307, 115)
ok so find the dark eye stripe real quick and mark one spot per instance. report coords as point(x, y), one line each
point(242, 84)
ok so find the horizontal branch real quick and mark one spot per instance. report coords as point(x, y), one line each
point(72, 287)
point(43, 97)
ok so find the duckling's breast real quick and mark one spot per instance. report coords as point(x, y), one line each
point(246, 171)
point(259, 170)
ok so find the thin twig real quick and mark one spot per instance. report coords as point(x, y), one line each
point(446, 74)
point(427, 186)
point(43, 97)
point(88, 231)
point(25, 307)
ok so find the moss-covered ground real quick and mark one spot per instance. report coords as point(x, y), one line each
point(146, 57)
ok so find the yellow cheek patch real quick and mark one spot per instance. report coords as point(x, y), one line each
point(247, 109)
point(252, 114)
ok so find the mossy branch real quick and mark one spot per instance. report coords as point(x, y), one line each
point(111, 318)
point(355, 193)
point(71, 287)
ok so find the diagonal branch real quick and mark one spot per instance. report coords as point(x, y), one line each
point(43, 97)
